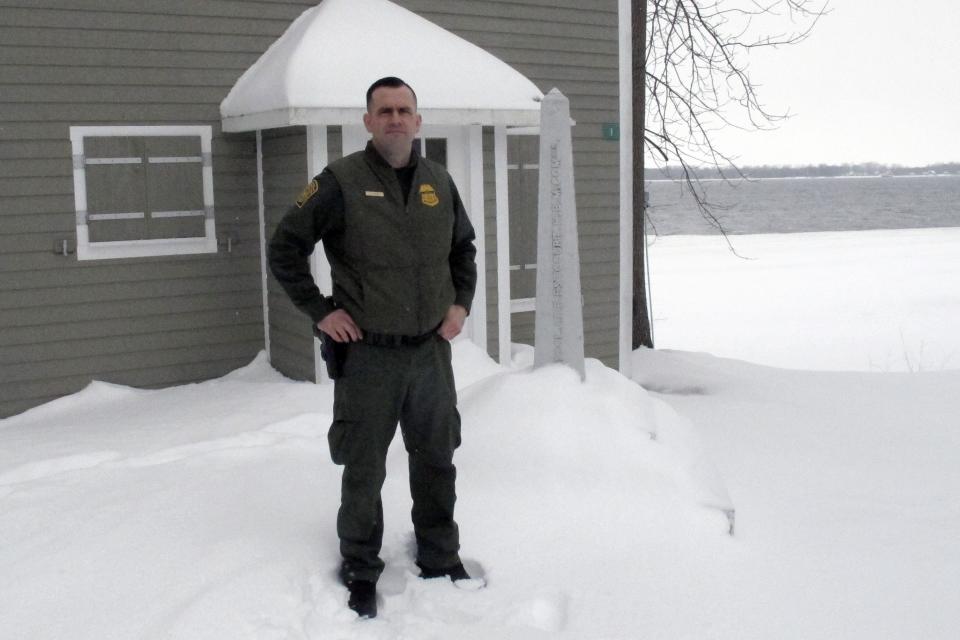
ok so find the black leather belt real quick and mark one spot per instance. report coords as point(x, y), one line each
point(393, 340)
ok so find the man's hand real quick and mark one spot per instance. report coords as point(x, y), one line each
point(340, 326)
point(452, 323)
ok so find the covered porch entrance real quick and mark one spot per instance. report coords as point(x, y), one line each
point(313, 79)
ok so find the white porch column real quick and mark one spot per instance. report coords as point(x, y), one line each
point(626, 189)
point(261, 212)
point(319, 266)
point(478, 312)
point(503, 244)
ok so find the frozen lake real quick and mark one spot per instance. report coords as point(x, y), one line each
point(790, 205)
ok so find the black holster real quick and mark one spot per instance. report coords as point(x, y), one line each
point(334, 355)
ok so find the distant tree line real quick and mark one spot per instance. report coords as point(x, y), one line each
point(806, 171)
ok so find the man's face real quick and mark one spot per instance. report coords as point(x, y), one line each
point(392, 119)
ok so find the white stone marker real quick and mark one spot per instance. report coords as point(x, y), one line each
point(559, 315)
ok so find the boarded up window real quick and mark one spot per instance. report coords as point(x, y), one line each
point(143, 191)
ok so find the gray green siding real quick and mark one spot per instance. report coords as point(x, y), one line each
point(145, 321)
point(284, 176)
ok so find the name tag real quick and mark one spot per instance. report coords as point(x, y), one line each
point(374, 194)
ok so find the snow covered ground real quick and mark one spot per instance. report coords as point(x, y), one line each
point(844, 301)
point(595, 509)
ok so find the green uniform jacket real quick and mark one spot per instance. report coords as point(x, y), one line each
point(397, 267)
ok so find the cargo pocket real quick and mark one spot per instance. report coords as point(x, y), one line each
point(342, 435)
point(455, 435)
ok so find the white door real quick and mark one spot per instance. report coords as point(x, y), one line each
point(458, 148)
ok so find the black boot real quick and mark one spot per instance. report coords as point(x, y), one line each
point(363, 597)
point(363, 594)
point(454, 572)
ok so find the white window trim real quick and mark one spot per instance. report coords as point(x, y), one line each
point(87, 250)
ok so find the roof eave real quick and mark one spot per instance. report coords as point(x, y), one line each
point(350, 115)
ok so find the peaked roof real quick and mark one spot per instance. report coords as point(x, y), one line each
point(318, 72)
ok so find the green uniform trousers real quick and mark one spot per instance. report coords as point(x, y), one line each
point(381, 386)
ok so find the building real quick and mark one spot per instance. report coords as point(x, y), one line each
point(130, 206)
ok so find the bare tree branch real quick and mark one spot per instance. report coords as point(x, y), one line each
point(698, 80)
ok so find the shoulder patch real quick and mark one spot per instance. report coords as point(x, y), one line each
point(308, 191)
point(428, 195)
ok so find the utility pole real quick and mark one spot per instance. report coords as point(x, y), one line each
point(642, 335)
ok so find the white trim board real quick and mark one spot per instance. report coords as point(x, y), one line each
point(625, 336)
point(261, 212)
point(478, 216)
point(503, 243)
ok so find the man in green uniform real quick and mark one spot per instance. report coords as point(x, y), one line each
point(402, 257)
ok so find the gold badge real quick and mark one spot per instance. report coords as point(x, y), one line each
point(308, 191)
point(428, 195)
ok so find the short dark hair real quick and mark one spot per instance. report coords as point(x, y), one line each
point(392, 82)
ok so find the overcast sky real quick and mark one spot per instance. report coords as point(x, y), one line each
point(878, 80)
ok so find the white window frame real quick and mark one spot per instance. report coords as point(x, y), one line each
point(87, 250)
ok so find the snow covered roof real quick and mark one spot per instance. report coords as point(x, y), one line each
point(318, 72)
